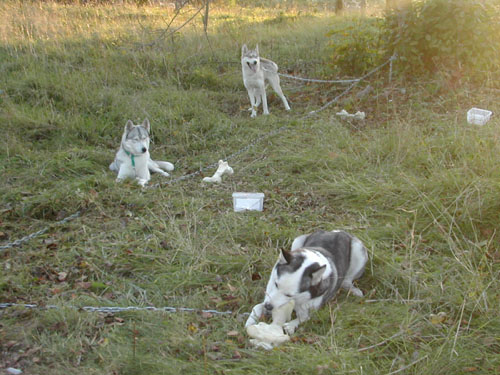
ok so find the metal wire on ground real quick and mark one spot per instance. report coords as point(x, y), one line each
point(319, 80)
point(117, 309)
point(21, 241)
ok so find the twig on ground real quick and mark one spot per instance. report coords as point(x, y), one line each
point(386, 340)
point(407, 366)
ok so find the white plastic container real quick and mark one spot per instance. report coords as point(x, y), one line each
point(248, 201)
point(478, 116)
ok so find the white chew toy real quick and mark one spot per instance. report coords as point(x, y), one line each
point(346, 115)
point(267, 336)
point(222, 169)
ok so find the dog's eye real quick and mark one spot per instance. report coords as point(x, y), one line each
point(288, 295)
point(275, 284)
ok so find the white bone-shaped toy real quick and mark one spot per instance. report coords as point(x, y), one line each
point(356, 116)
point(267, 336)
point(223, 168)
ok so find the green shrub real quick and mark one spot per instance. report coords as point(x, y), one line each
point(356, 48)
point(455, 35)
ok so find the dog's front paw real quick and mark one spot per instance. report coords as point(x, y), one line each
point(291, 327)
point(142, 182)
point(253, 115)
point(164, 174)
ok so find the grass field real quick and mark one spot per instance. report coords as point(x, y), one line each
point(414, 181)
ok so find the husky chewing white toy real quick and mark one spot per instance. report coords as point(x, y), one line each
point(267, 336)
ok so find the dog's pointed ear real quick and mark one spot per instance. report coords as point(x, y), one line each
point(317, 274)
point(129, 126)
point(285, 257)
point(146, 125)
point(244, 49)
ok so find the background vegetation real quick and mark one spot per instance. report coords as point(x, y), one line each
point(414, 181)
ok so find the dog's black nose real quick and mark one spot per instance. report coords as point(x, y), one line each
point(144, 149)
point(268, 306)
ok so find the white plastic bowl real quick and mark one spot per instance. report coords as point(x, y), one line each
point(248, 201)
point(478, 116)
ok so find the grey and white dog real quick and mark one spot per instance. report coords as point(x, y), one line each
point(318, 265)
point(133, 160)
point(256, 71)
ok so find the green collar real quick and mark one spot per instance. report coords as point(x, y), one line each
point(132, 156)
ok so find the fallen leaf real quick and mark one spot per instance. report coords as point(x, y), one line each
point(83, 264)
point(232, 333)
point(256, 276)
point(470, 369)
point(84, 284)
point(438, 318)
point(206, 315)
point(192, 328)
point(61, 276)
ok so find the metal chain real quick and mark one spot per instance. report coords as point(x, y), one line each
point(117, 309)
point(29, 237)
point(371, 72)
point(319, 80)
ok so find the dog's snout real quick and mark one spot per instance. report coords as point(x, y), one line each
point(144, 149)
point(268, 306)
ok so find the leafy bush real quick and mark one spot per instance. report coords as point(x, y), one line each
point(456, 35)
point(357, 47)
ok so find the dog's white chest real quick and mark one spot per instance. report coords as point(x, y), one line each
point(253, 80)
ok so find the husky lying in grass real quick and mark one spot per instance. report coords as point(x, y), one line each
point(311, 274)
point(133, 160)
point(257, 70)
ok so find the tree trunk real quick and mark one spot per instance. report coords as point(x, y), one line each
point(205, 17)
point(339, 6)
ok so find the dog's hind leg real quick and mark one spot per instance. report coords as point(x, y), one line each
point(359, 257)
point(262, 94)
point(165, 165)
point(275, 84)
point(299, 241)
point(156, 169)
point(114, 166)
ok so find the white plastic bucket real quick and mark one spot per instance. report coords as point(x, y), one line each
point(248, 201)
point(478, 116)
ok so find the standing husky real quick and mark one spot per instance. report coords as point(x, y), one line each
point(256, 70)
point(312, 273)
point(133, 159)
